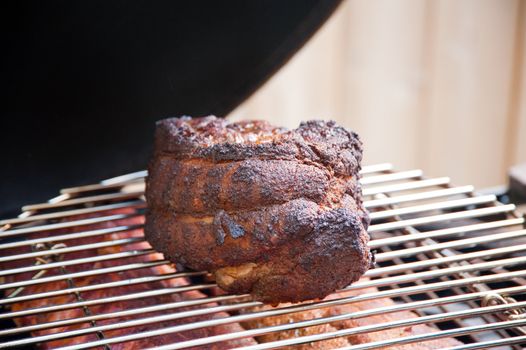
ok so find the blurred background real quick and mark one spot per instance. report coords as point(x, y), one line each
point(437, 85)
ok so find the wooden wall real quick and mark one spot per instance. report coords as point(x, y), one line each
point(438, 85)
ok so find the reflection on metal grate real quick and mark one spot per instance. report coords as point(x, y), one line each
point(457, 260)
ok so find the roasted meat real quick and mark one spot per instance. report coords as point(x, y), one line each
point(350, 323)
point(272, 212)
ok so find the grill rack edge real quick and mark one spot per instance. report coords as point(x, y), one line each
point(426, 262)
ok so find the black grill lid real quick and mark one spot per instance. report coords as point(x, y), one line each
point(84, 81)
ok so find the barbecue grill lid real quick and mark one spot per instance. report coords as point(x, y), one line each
point(84, 81)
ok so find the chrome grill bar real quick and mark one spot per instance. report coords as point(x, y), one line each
point(436, 273)
point(434, 206)
point(67, 213)
point(417, 265)
point(75, 248)
point(446, 232)
point(125, 178)
point(391, 177)
point(96, 187)
point(382, 202)
point(453, 244)
point(70, 236)
point(475, 213)
point(128, 282)
point(120, 268)
point(414, 185)
point(75, 223)
point(47, 266)
point(125, 297)
point(83, 200)
point(368, 169)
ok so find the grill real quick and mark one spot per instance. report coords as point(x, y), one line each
point(455, 258)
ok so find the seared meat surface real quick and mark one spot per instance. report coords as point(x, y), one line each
point(272, 212)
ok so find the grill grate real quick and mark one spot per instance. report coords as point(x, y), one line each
point(457, 260)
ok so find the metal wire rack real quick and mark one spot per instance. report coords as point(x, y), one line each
point(453, 259)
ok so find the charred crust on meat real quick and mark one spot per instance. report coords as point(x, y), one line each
point(218, 140)
point(272, 212)
point(227, 226)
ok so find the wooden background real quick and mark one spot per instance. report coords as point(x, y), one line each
point(437, 85)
